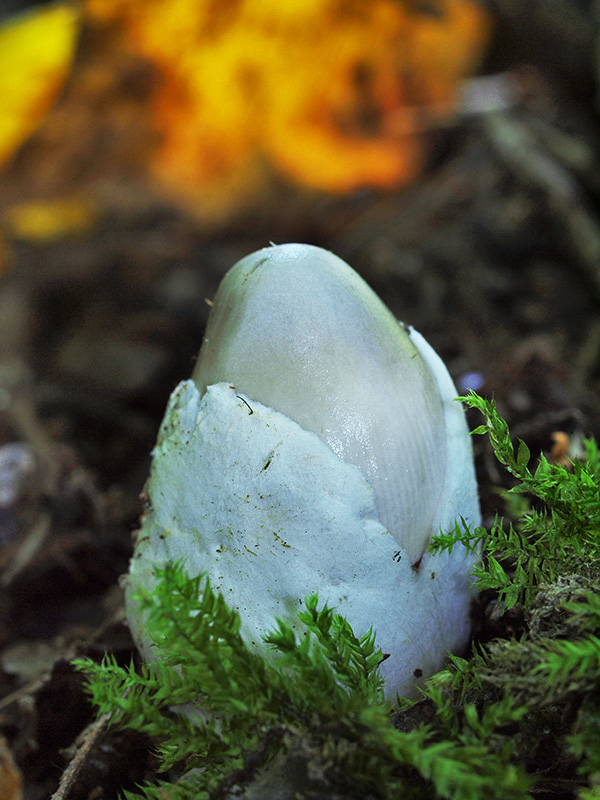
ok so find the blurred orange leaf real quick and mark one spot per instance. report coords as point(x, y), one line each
point(308, 84)
point(36, 50)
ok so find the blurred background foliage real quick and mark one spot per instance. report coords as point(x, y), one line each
point(216, 96)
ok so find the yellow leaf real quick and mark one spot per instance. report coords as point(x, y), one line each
point(51, 219)
point(36, 49)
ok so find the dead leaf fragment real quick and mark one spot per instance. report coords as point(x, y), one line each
point(10, 776)
point(560, 448)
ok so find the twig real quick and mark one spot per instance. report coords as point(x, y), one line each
point(522, 153)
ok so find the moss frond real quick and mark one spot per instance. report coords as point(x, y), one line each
point(310, 715)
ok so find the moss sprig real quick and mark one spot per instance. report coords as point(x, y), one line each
point(210, 702)
point(556, 537)
point(311, 717)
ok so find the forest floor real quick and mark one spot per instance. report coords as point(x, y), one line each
point(493, 254)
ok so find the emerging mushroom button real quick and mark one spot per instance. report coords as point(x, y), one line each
point(317, 449)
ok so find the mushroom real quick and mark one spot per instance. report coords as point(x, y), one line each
point(317, 448)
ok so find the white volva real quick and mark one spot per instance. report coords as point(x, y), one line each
point(317, 449)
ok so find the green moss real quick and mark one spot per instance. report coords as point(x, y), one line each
point(520, 712)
